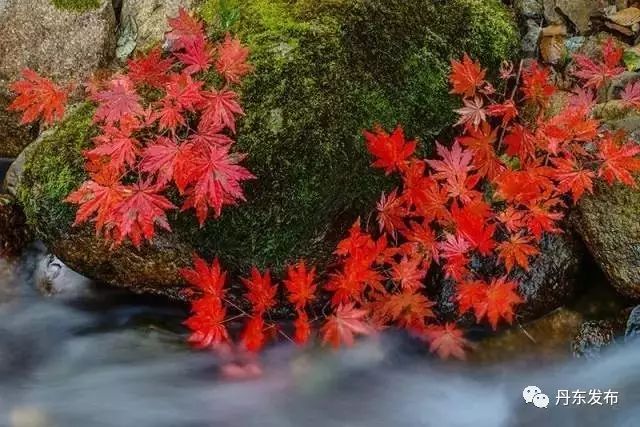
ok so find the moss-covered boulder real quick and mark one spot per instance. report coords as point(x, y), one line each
point(324, 70)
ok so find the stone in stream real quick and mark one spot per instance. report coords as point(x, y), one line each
point(322, 75)
point(56, 39)
point(593, 336)
point(632, 330)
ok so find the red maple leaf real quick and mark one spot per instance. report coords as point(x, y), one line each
point(408, 308)
point(391, 151)
point(520, 142)
point(97, 197)
point(471, 294)
point(516, 251)
point(535, 84)
point(408, 273)
point(446, 341)
point(261, 292)
point(454, 251)
point(38, 97)
point(572, 178)
point(341, 327)
point(630, 96)
point(619, 161)
point(501, 299)
point(184, 92)
point(472, 114)
point(300, 285)
point(210, 280)
point(167, 160)
point(207, 323)
point(466, 76)
point(481, 141)
point(221, 108)
point(216, 178)
point(118, 101)
point(150, 69)
point(507, 110)
point(183, 28)
point(474, 228)
point(197, 55)
point(232, 60)
point(253, 336)
point(140, 211)
point(117, 145)
point(595, 74)
point(391, 212)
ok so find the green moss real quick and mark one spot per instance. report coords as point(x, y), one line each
point(324, 71)
point(53, 170)
point(78, 5)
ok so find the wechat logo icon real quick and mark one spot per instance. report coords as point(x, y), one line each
point(533, 394)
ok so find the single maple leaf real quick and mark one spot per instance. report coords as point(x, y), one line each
point(150, 69)
point(535, 84)
point(446, 341)
point(351, 283)
point(471, 294)
point(391, 151)
point(167, 160)
point(38, 97)
point(217, 179)
point(207, 323)
point(209, 133)
point(455, 163)
point(595, 74)
point(520, 142)
point(140, 211)
point(543, 216)
point(516, 251)
point(220, 109)
point(210, 280)
point(513, 219)
point(466, 76)
point(97, 197)
point(619, 161)
point(391, 212)
point(185, 92)
point(197, 55)
point(253, 336)
point(572, 178)
point(183, 29)
point(170, 115)
point(481, 141)
point(302, 331)
point(408, 308)
point(117, 145)
point(454, 251)
point(472, 114)
point(232, 60)
point(424, 236)
point(408, 273)
point(118, 101)
point(341, 327)
point(501, 299)
point(474, 228)
point(261, 291)
point(630, 96)
point(300, 285)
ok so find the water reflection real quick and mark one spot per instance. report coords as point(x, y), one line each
point(86, 357)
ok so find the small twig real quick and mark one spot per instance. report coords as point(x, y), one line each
point(513, 94)
point(527, 333)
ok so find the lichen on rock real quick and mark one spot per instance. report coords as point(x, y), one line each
point(324, 70)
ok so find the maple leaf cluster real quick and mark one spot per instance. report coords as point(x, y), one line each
point(491, 195)
point(160, 126)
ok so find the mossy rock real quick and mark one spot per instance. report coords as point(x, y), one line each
point(324, 71)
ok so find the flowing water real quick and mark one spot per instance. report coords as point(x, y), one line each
point(84, 357)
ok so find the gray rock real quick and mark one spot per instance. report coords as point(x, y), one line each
point(530, 39)
point(608, 223)
point(632, 330)
point(592, 338)
point(529, 9)
point(144, 22)
point(63, 45)
point(578, 12)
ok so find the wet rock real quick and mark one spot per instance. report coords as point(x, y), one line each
point(592, 338)
point(530, 39)
point(577, 12)
point(608, 223)
point(547, 338)
point(14, 234)
point(144, 22)
point(53, 277)
point(632, 330)
point(553, 280)
point(64, 45)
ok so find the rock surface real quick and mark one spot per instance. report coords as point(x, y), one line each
point(322, 74)
point(577, 12)
point(593, 336)
point(144, 22)
point(64, 45)
point(608, 223)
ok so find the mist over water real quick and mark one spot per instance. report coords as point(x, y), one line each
point(86, 358)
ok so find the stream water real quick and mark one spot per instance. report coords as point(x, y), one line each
point(97, 358)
